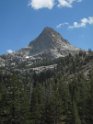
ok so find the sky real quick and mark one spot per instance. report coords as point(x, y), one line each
point(22, 20)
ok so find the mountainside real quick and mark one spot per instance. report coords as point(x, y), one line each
point(60, 93)
point(35, 89)
point(50, 44)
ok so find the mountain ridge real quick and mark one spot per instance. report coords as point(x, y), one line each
point(51, 43)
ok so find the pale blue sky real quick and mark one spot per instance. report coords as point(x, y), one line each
point(20, 23)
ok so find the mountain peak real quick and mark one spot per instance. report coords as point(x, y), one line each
point(48, 36)
point(51, 43)
point(48, 29)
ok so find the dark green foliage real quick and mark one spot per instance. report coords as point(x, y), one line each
point(61, 96)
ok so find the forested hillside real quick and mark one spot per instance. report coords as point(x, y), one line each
point(63, 95)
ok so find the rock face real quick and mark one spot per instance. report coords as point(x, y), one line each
point(50, 44)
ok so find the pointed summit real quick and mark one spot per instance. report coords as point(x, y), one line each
point(49, 35)
point(49, 43)
point(48, 30)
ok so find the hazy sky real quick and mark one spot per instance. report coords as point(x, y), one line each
point(22, 20)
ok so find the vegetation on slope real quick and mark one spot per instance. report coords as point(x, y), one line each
point(60, 96)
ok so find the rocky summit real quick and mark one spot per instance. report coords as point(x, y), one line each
point(50, 44)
